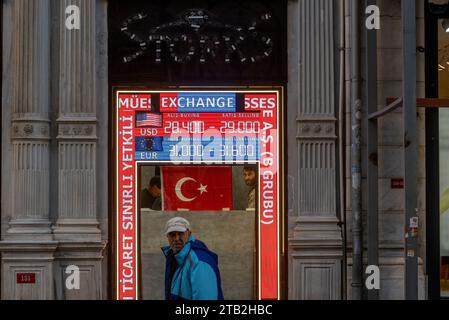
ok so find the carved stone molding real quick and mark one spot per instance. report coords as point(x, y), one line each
point(78, 131)
point(30, 130)
point(77, 128)
point(27, 257)
point(317, 130)
point(88, 257)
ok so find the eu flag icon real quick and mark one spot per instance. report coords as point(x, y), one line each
point(149, 144)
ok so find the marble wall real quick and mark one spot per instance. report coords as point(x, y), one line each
point(390, 152)
point(55, 153)
point(55, 108)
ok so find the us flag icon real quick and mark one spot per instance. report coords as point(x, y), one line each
point(146, 119)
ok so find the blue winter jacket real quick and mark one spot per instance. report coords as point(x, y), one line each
point(197, 276)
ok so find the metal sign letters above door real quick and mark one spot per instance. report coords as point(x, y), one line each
point(196, 35)
point(169, 41)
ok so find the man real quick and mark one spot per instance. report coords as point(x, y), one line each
point(250, 177)
point(191, 269)
point(151, 196)
point(155, 190)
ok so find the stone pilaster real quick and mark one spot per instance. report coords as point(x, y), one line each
point(77, 227)
point(77, 126)
point(30, 123)
point(315, 237)
point(27, 246)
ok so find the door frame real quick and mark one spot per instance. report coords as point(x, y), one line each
point(432, 154)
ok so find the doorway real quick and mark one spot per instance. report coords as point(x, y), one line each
point(437, 152)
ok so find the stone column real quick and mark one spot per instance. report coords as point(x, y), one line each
point(77, 227)
point(30, 120)
point(27, 245)
point(315, 237)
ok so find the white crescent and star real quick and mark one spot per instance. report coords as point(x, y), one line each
point(202, 189)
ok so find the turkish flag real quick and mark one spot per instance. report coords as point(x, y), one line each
point(197, 188)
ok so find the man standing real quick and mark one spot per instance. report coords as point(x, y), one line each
point(151, 196)
point(250, 177)
point(191, 269)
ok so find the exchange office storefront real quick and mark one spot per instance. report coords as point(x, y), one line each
point(198, 103)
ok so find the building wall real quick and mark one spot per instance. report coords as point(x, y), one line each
point(55, 149)
point(57, 103)
point(315, 233)
point(390, 151)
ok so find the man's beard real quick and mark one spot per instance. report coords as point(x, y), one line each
point(177, 247)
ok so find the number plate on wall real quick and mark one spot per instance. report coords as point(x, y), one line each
point(26, 278)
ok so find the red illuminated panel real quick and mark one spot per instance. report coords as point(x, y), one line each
point(255, 117)
point(168, 102)
point(126, 207)
point(137, 101)
point(268, 205)
point(258, 102)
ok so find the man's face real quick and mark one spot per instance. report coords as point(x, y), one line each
point(177, 240)
point(250, 177)
point(155, 191)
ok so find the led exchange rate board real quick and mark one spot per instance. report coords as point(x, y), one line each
point(199, 127)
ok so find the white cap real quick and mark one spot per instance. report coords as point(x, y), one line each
point(177, 224)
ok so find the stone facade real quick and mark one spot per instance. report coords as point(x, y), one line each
point(390, 152)
point(315, 233)
point(54, 158)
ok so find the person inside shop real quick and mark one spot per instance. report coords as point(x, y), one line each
point(250, 177)
point(191, 270)
point(151, 197)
